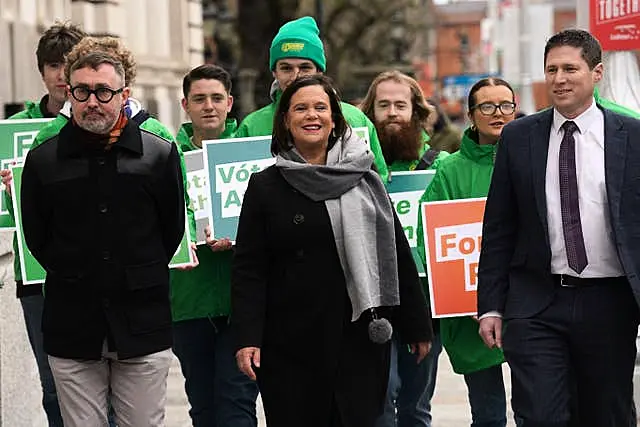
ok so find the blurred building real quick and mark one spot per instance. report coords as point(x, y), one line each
point(165, 36)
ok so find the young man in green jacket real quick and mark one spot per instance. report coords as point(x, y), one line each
point(219, 394)
point(297, 51)
point(396, 105)
point(54, 44)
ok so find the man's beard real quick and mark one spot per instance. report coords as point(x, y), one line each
point(400, 142)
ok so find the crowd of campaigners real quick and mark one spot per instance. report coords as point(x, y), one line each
point(317, 305)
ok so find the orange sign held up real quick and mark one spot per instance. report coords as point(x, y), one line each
point(453, 235)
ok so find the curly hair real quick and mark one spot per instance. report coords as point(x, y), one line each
point(112, 46)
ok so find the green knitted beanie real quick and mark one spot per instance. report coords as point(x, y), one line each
point(298, 39)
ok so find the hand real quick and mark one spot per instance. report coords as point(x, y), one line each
point(7, 176)
point(491, 331)
point(193, 248)
point(244, 358)
point(216, 245)
point(420, 349)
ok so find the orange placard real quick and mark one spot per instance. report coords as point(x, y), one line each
point(453, 234)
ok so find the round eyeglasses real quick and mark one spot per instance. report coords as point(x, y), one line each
point(103, 94)
point(489, 109)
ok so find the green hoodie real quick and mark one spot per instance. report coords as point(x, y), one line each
point(52, 129)
point(204, 291)
point(405, 165)
point(617, 108)
point(462, 175)
point(260, 123)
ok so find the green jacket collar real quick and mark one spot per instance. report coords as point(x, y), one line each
point(186, 133)
point(483, 154)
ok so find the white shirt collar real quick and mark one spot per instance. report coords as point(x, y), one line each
point(583, 121)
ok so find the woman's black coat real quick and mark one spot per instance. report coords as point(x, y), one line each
point(289, 298)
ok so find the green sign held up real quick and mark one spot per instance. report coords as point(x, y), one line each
point(16, 137)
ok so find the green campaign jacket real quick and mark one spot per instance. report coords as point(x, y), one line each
point(260, 123)
point(610, 105)
point(204, 291)
point(406, 165)
point(462, 175)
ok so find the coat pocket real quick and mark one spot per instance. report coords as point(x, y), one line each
point(145, 276)
point(147, 308)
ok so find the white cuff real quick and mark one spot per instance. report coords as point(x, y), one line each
point(490, 314)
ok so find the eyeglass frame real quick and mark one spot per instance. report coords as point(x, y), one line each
point(94, 92)
point(495, 108)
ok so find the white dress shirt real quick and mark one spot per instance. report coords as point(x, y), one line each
point(602, 256)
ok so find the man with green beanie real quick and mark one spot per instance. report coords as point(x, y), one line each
point(297, 51)
point(219, 394)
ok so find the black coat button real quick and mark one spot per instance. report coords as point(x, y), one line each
point(103, 208)
point(298, 218)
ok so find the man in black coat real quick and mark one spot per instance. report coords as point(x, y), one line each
point(103, 212)
point(560, 259)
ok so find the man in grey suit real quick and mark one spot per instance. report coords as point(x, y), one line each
point(560, 259)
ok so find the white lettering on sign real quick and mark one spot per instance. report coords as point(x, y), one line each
point(22, 142)
point(461, 242)
point(232, 180)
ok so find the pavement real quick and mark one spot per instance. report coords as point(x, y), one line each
point(450, 405)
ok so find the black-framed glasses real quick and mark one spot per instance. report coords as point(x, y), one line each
point(103, 94)
point(489, 109)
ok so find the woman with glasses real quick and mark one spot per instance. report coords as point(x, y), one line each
point(467, 174)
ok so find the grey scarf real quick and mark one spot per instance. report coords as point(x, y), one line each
point(361, 218)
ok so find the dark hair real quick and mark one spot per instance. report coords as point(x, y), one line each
point(442, 119)
point(590, 46)
point(56, 43)
point(420, 108)
point(206, 72)
point(282, 140)
point(487, 81)
point(94, 60)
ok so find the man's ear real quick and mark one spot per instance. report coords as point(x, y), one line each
point(229, 103)
point(126, 92)
point(184, 105)
point(598, 72)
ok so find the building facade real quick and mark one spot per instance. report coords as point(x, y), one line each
point(165, 37)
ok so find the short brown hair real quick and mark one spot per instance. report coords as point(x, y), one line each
point(112, 46)
point(56, 43)
point(93, 60)
point(421, 109)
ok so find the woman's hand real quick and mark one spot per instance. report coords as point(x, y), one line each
point(216, 245)
point(420, 349)
point(245, 357)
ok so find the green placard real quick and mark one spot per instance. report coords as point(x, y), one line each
point(32, 271)
point(405, 190)
point(183, 255)
point(16, 137)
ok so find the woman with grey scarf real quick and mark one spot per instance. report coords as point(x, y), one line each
point(322, 271)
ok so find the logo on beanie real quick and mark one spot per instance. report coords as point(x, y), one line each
point(292, 47)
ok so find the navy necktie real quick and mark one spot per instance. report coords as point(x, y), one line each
point(571, 225)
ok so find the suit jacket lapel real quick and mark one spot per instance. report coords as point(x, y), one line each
point(539, 147)
point(615, 147)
